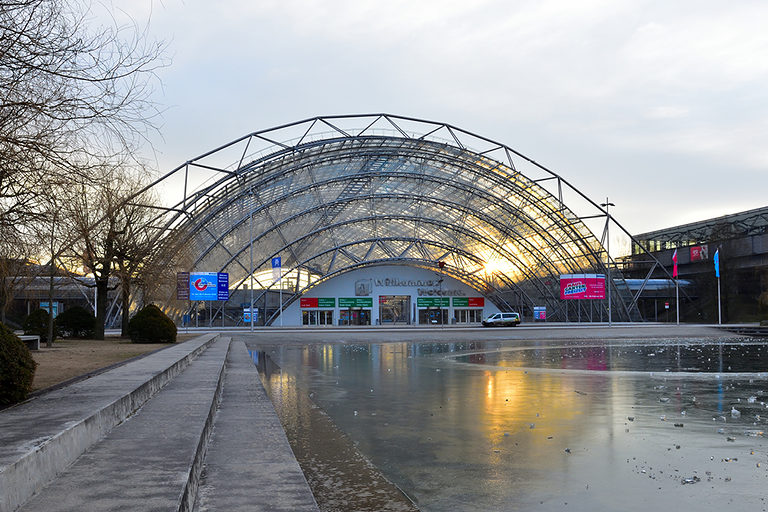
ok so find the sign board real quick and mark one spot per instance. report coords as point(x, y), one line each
point(247, 315)
point(182, 285)
point(208, 286)
point(699, 253)
point(277, 265)
point(318, 302)
point(222, 286)
point(582, 286)
point(468, 302)
point(433, 302)
point(540, 313)
point(355, 302)
point(666, 305)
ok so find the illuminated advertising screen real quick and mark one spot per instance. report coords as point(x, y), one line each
point(208, 286)
point(582, 286)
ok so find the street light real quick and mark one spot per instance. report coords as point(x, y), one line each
point(440, 266)
point(605, 205)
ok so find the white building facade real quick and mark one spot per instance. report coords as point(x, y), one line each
point(389, 295)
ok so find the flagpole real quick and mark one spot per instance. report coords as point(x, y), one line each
point(250, 229)
point(606, 204)
point(677, 286)
point(717, 275)
point(280, 285)
point(719, 311)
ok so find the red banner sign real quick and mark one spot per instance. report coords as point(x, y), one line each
point(476, 302)
point(308, 302)
point(582, 286)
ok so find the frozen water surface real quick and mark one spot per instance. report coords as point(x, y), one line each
point(610, 425)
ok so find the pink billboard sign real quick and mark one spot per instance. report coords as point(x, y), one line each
point(582, 286)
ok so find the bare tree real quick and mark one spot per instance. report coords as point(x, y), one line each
point(93, 216)
point(15, 269)
point(135, 241)
point(53, 234)
point(72, 96)
point(114, 231)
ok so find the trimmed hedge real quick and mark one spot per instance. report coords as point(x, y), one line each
point(17, 368)
point(151, 325)
point(37, 323)
point(75, 322)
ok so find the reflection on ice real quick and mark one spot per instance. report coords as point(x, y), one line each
point(465, 426)
point(671, 357)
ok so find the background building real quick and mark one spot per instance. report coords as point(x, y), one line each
point(742, 242)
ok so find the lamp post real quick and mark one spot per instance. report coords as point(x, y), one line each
point(250, 234)
point(440, 266)
point(605, 205)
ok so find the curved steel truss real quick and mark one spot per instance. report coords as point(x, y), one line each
point(337, 193)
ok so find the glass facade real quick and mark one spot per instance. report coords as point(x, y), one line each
point(333, 200)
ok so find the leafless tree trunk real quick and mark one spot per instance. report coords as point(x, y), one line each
point(114, 231)
point(74, 98)
point(51, 277)
point(136, 241)
point(15, 269)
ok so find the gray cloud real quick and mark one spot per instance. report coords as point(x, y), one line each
point(661, 106)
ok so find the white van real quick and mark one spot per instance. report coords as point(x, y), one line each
point(501, 319)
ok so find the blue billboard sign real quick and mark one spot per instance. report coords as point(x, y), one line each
point(208, 286)
point(222, 288)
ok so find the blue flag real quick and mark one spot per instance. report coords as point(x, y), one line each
point(717, 263)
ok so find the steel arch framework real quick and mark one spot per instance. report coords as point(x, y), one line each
point(338, 193)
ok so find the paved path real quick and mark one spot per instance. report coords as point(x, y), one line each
point(137, 438)
point(246, 467)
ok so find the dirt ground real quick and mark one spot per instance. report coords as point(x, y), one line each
point(70, 358)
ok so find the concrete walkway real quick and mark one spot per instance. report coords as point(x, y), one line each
point(246, 467)
point(135, 438)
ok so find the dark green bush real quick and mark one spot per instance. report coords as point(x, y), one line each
point(17, 368)
point(151, 325)
point(37, 323)
point(75, 322)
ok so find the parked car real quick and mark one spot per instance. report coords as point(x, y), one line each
point(502, 319)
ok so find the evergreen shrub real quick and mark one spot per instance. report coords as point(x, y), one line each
point(151, 325)
point(37, 323)
point(17, 368)
point(75, 322)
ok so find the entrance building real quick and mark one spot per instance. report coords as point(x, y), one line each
point(389, 295)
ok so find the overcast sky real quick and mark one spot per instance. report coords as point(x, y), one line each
point(660, 106)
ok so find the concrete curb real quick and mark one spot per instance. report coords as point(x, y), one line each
point(189, 493)
point(38, 460)
point(250, 464)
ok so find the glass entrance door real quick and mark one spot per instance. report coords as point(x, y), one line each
point(394, 309)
